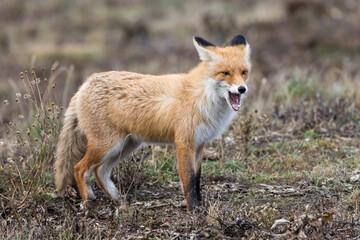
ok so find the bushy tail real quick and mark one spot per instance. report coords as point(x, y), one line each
point(70, 150)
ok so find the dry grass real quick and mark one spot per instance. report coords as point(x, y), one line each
point(31, 140)
point(292, 153)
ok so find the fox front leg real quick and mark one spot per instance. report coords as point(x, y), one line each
point(198, 159)
point(186, 164)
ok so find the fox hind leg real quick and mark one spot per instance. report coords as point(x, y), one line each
point(120, 150)
point(82, 171)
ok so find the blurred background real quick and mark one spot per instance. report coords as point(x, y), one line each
point(290, 39)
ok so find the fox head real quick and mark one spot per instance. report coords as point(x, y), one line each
point(229, 67)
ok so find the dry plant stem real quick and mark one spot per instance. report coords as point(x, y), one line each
point(39, 170)
point(40, 162)
point(222, 152)
point(30, 146)
point(165, 162)
point(23, 80)
point(14, 86)
point(137, 171)
point(35, 216)
point(5, 197)
point(30, 188)
point(277, 150)
point(15, 187)
point(248, 165)
point(34, 168)
point(32, 92)
point(152, 155)
point(67, 84)
point(38, 91)
point(16, 218)
point(22, 183)
point(54, 75)
point(162, 165)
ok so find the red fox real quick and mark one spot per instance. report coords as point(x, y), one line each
point(114, 113)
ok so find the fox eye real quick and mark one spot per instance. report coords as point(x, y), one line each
point(226, 73)
point(244, 72)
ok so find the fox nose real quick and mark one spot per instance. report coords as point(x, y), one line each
point(242, 89)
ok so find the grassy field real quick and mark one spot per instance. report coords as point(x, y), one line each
point(288, 167)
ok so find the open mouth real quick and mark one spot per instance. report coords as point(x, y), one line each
point(234, 100)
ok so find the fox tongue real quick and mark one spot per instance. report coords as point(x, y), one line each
point(235, 101)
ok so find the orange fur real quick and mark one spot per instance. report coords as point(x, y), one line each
point(117, 111)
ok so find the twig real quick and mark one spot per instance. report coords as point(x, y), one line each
point(157, 206)
point(16, 218)
point(343, 222)
point(36, 218)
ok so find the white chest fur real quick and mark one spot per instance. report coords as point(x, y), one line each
point(219, 118)
point(218, 113)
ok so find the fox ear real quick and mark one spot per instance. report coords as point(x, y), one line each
point(204, 49)
point(238, 40)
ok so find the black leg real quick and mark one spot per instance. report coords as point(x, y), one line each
point(191, 194)
point(197, 180)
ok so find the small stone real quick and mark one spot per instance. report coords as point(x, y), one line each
point(355, 178)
